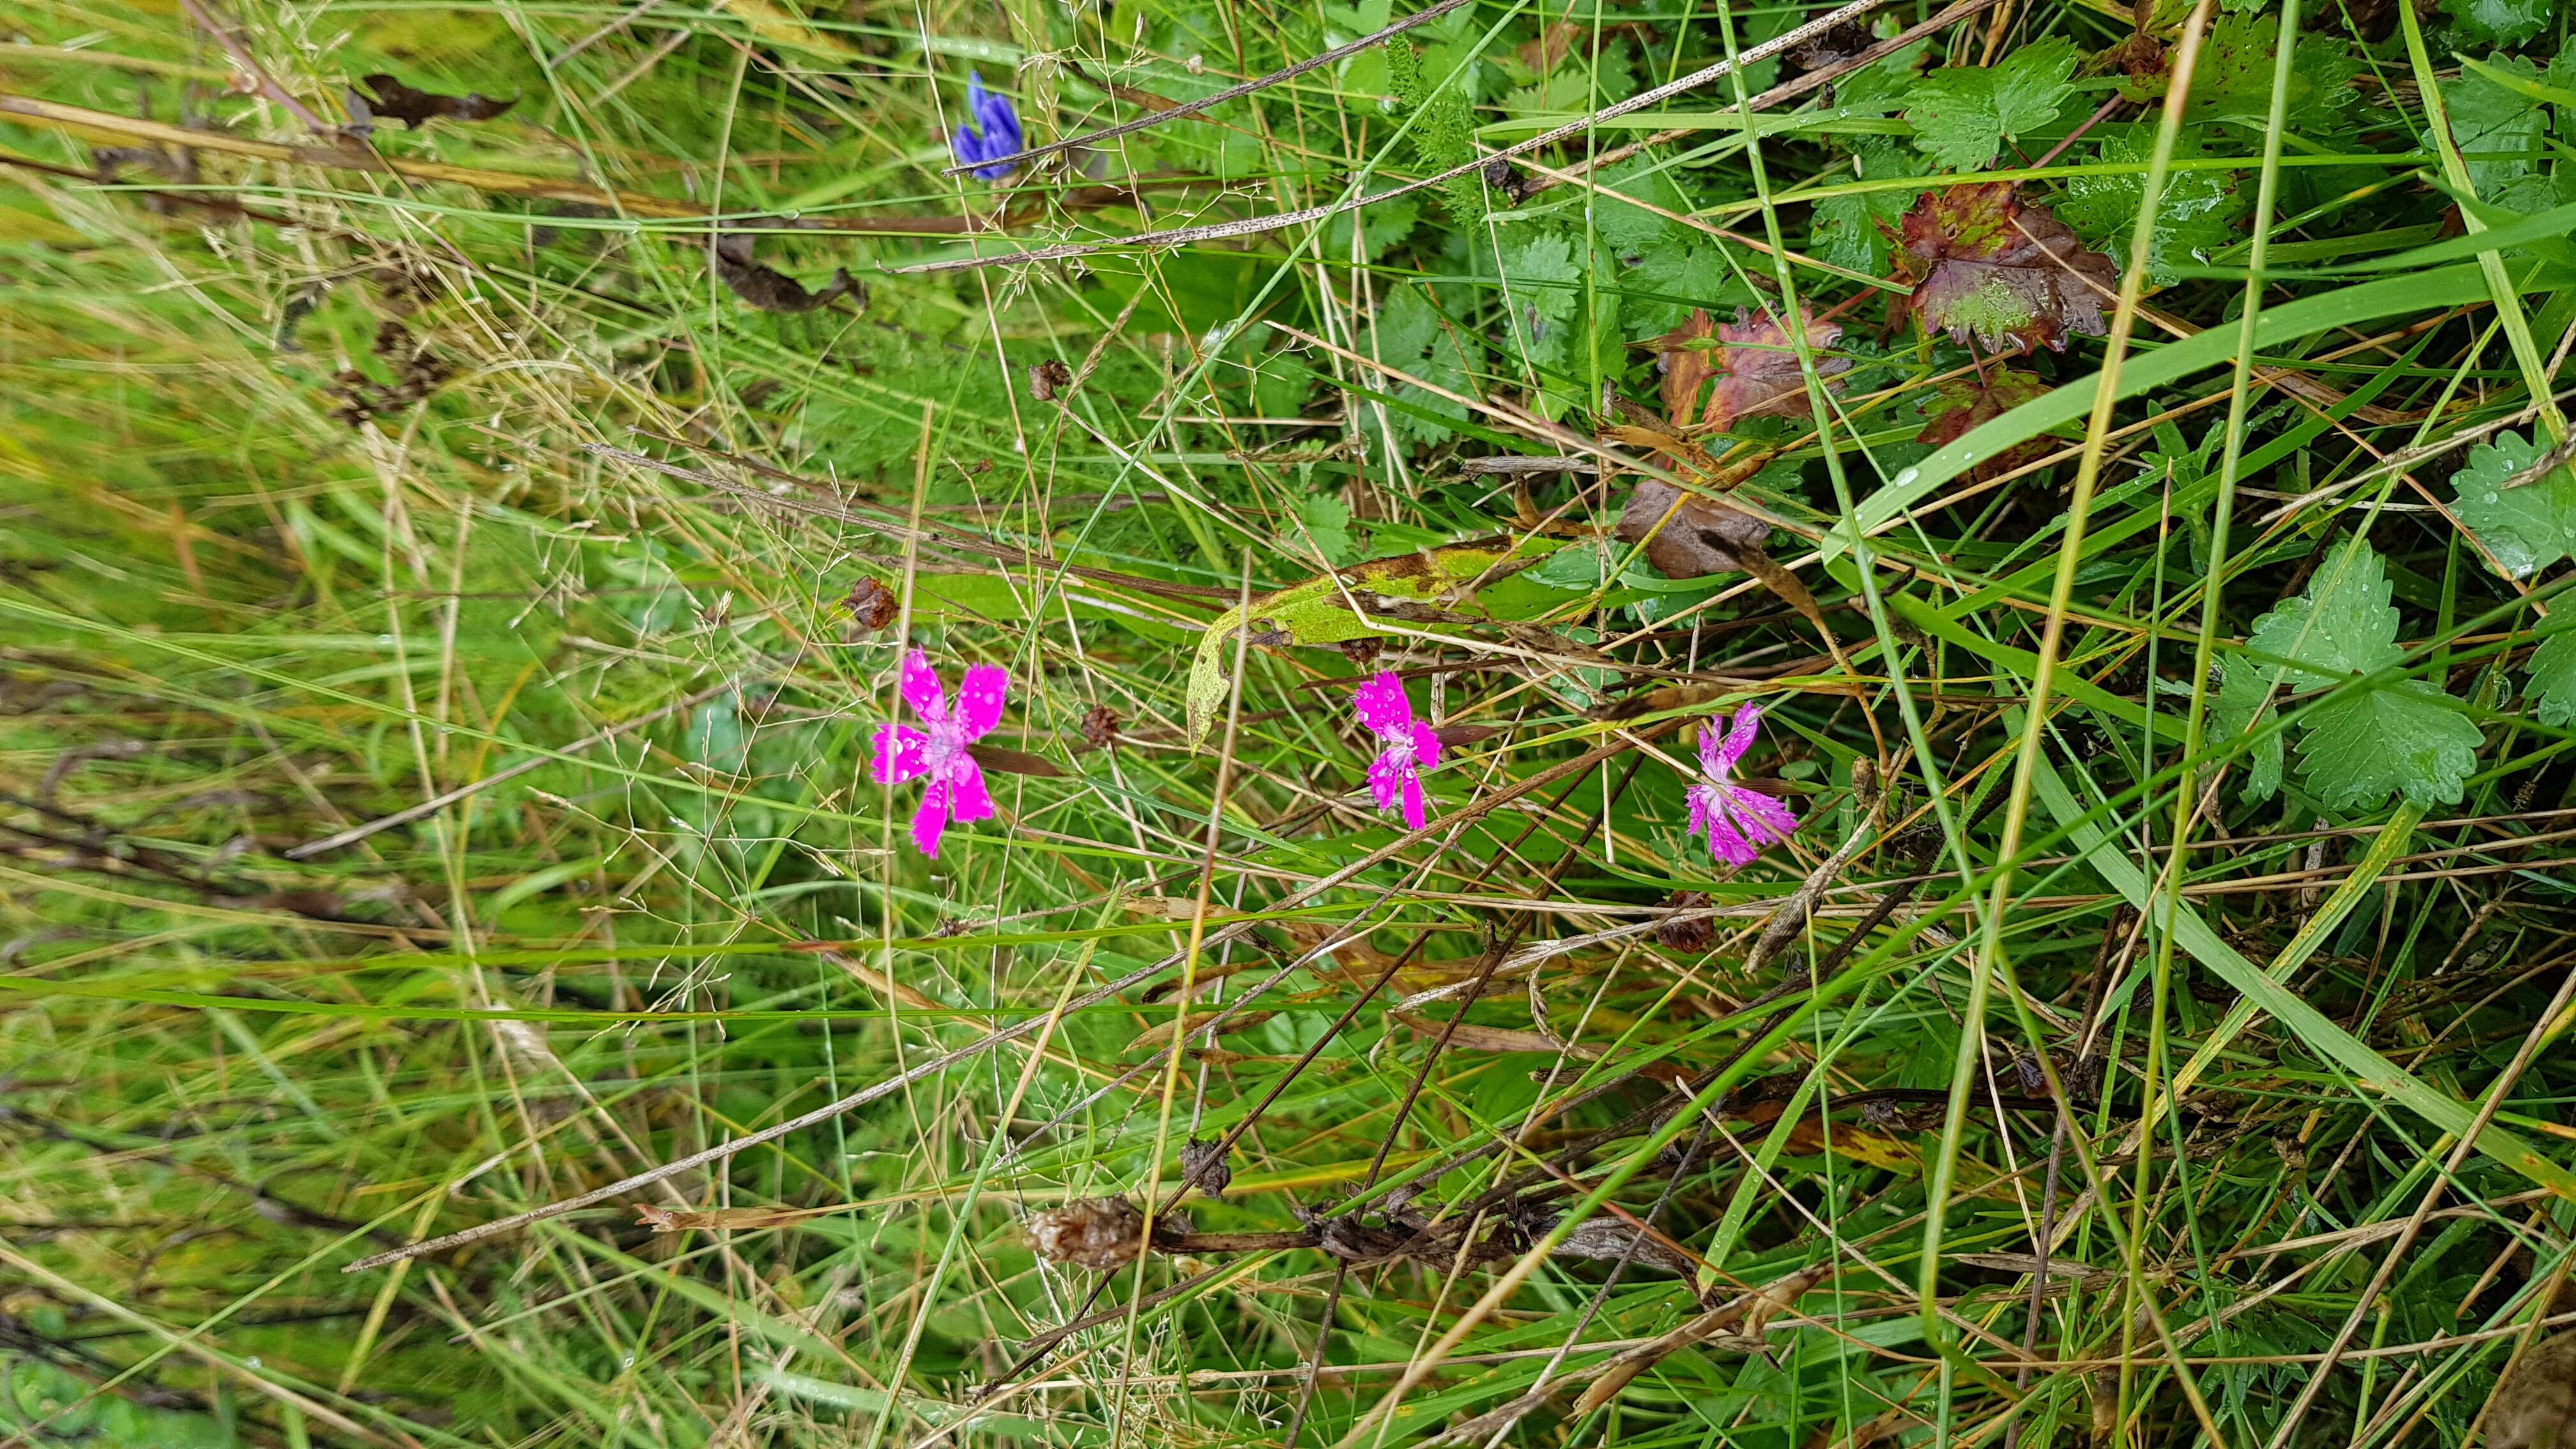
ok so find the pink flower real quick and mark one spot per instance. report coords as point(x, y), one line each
point(1739, 822)
point(1410, 748)
point(938, 749)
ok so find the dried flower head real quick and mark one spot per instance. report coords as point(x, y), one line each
point(871, 604)
point(1691, 933)
point(1100, 727)
point(1090, 1232)
point(1203, 1166)
point(1048, 378)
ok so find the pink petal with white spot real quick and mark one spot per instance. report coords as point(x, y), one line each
point(967, 794)
point(896, 754)
point(1382, 707)
point(979, 698)
point(921, 688)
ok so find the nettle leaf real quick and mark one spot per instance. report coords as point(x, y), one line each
point(2194, 222)
point(1752, 362)
point(2499, 22)
point(2525, 528)
point(2358, 747)
point(2553, 678)
point(1988, 265)
point(1382, 225)
point(2497, 130)
point(1631, 231)
point(1963, 114)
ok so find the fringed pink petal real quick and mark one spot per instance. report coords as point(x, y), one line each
point(1426, 747)
point(979, 699)
point(896, 754)
point(1386, 774)
point(921, 687)
point(1739, 738)
point(1412, 801)
point(1383, 709)
point(1766, 821)
point(930, 819)
point(1725, 843)
point(1703, 805)
point(967, 795)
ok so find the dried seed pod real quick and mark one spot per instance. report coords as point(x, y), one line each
point(1689, 936)
point(1100, 727)
point(765, 287)
point(2536, 1404)
point(1048, 378)
point(871, 604)
point(1363, 652)
point(1090, 1232)
point(1203, 1166)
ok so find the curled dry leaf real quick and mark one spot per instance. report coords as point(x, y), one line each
point(1699, 538)
point(1466, 1036)
point(390, 99)
point(1987, 265)
point(1752, 362)
point(1154, 1037)
point(1740, 1319)
point(1092, 1232)
point(2536, 1404)
point(766, 288)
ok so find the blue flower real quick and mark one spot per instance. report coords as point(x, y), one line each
point(999, 135)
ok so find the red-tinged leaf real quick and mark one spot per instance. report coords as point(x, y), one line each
point(1754, 364)
point(1687, 536)
point(1986, 264)
point(1963, 403)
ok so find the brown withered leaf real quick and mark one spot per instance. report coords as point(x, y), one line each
point(390, 99)
point(1698, 539)
point(1987, 265)
point(1752, 362)
point(1012, 762)
point(1465, 1036)
point(1154, 1037)
point(767, 288)
point(1964, 403)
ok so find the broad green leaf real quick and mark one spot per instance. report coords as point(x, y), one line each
point(2342, 625)
point(2499, 22)
point(1963, 114)
point(2194, 222)
point(2553, 678)
point(2497, 129)
point(2527, 528)
point(2359, 750)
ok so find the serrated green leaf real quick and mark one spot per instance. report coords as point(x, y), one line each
point(1852, 231)
point(2195, 220)
point(1963, 114)
point(2343, 625)
point(2553, 679)
point(2360, 749)
point(2497, 130)
point(2528, 528)
point(1328, 524)
point(2499, 22)
point(2233, 82)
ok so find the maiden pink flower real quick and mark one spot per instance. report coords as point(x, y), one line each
point(938, 749)
point(1739, 821)
point(1410, 748)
